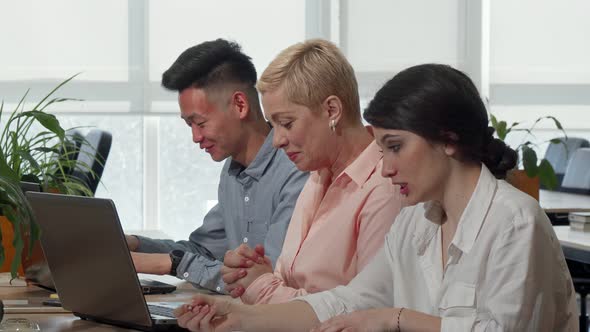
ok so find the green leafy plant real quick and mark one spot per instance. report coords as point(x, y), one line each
point(530, 162)
point(34, 148)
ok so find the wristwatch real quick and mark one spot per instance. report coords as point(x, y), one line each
point(175, 256)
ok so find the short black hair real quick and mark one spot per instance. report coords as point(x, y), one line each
point(442, 105)
point(208, 64)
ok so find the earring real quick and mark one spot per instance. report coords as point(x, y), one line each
point(333, 125)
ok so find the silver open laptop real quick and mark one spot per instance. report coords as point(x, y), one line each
point(90, 262)
point(38, 271)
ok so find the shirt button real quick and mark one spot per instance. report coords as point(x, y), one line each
point(246, 199)
point(245, 240)
point(218, 289)
point(185, 274)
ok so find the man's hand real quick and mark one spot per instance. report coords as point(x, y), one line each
point(132, 242)
point(152, 263)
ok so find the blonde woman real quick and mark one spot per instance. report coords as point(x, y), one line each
point(310, 95)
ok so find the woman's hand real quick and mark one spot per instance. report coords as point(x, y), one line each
point(208, 314)
point(373, 320)
point(244, 278)
point(244, 256)
point(242, 266)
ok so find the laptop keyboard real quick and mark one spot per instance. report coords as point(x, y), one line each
point(161, 311)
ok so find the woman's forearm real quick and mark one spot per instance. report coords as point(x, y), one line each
point(292, 316)
point(410, 321)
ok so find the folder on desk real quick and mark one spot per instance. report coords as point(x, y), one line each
point(579, 221)
point(29, 306)
point(579, 217)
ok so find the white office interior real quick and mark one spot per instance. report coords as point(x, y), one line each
point(529, 58)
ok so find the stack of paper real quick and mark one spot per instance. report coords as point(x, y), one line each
point(580, 221)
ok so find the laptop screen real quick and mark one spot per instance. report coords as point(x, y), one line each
point(89, 259)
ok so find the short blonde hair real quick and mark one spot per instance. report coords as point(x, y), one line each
point(310, 72)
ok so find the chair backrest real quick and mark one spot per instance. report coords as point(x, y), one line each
point(94, 151)
point(577, 174)
point(68, 152)
point(559, 154)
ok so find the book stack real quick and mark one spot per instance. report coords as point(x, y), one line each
point(580, 221)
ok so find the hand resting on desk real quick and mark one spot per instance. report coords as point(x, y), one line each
point(208, 313)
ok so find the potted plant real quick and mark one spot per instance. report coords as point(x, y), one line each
point(16, 219)
point(532, 170)
point(34, 148)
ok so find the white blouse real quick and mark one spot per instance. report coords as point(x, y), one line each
point(505, 271)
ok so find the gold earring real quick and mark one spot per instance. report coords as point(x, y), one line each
point(333, 125)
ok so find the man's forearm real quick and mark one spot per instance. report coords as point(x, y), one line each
point(149, 245)
point(202, 271)
point(132, 242)
point(151, 263)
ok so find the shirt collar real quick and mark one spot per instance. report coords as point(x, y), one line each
point(475, 213)
point(426, 228)
point(259, 164)
point(364, 165)
point(470, 222)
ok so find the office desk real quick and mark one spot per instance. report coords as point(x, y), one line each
point(560, 202)
point(575, 244)
point(68, 322)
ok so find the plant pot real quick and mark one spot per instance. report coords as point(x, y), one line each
point(9, 251)
point(1, 310)
point(521, 181)
point(27, 262)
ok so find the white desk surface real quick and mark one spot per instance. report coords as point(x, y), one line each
point(559, 202)
point(575, 244)
point(572, 238)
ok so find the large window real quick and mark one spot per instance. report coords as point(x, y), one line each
point(527, 57)
point(156, 175)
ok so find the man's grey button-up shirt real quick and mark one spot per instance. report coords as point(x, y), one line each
point(255, 205)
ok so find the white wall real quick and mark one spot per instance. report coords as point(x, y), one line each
point(387, 36)
point(540, 63)
point(540, 42)
point(529, 58)
point(382, 37)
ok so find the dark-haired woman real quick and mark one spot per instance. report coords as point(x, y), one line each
point(471, 254)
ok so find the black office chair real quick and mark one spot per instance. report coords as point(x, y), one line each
point(92, 157)
point(580, 273)
point(559, 154)
point(71, 148)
